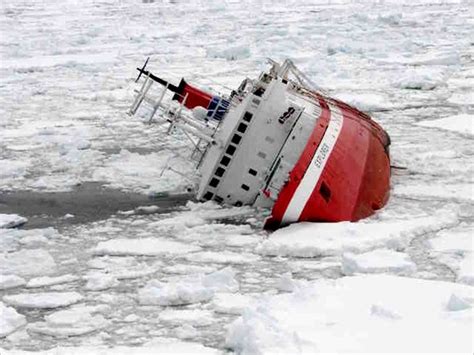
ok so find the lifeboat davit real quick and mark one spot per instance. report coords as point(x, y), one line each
point(281, 143)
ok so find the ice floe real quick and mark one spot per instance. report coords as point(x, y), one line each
point(27, 262)
point(11, 220)
point(460, 191)
point(75, 321)
point(10, 320)
point(49, 281)
point(142, 246)
point(225, 257)
point(375, 313)
point(11, 281)
point(231, 303)
point(98, 281)
point(188, 290)
point(378, 261)
point(462, 123)
point(321, 239)
point(43, 300)
point(194, 317)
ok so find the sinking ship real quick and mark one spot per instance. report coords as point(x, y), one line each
point(278, 142)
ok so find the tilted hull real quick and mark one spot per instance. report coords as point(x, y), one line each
point(343, 173)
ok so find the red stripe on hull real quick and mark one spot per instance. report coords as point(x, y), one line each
point(356, 178)
point(301, 166)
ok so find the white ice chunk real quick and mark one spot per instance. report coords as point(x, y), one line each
point(224, 257)
point(172, 294)
point(28, 262)
point(43, 300)
point(370, 313)
point(10, 320)
point(194, 317)
point(231, 303)
point(186, 331)
point(11, 281)
point(11, 220)
point(99, 281)
point(440, 191)
point(420, 79)
point(456, 240)
point(323, 239)
point(49, 281)
point(142, 246)
point(377, 261)
point(463, 123)
point(185, 269)
point(76, 321)
point(193, 289)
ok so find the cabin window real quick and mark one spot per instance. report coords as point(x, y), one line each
point(219, 171)
point(225, 160)
point(253, 172)
point(255, 101)
point(218, 199)
point(242, 127)
point(261, 155)
point(238, 203)
point(208, 196)
point(230, 149)
point(245, 187)
point(247, 116)
point(214, 182)
point(236, 139)
point(284, 81)
point(325, 192)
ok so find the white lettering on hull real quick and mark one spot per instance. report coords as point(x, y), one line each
point(313, 172)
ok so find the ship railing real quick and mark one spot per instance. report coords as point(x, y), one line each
point(162, 111)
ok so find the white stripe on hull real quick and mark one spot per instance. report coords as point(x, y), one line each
point(313, 173)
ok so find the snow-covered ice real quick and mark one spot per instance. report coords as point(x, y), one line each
point(189, 290)
point(68, 70)
point(463, 123)
point(11, 220)
point(231, 303)
point(10, 320)
point(28, 262)
point(320, 239)
point(143, 246)
point(43, 300)
point(377, 261)
point(75, 321)
point(11, 281)
point(49, 281)
point(370, 313)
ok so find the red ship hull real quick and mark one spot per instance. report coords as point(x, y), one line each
point(343, 173)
